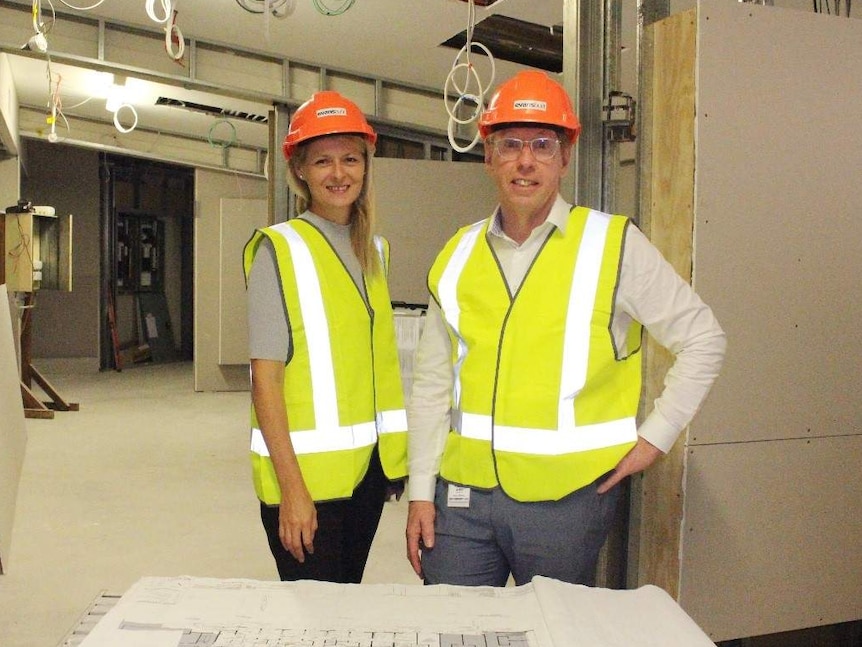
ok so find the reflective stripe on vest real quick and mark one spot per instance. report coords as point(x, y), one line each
point(317, 332)
point(448, 291)
point(327, 435)
point(568, 437)
point(337, 438)
point(548, 442)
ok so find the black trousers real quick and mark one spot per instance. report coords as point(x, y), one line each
point(345, 530)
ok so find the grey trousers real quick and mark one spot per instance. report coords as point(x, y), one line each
point(497, 536)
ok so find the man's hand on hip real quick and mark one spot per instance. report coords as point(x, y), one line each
point(640, 457)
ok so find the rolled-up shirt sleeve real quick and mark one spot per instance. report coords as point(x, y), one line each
point(651, 292)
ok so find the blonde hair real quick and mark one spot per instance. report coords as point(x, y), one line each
point(362, 212)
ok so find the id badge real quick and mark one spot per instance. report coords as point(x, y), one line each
point(458, 496)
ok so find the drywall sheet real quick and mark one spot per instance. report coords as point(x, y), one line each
point(238, 220)
point(773, 505)
point(777, 231)
point(13, 435)
point(211, 187)
point(420, 205)
point(771, 535)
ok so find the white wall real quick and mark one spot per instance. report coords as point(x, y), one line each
point(13, 436)
point(8, 108)
point(211, 187)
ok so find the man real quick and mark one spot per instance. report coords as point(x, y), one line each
point(528, 375)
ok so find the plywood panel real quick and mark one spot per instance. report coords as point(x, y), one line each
point(772, 535)
point(667, 205)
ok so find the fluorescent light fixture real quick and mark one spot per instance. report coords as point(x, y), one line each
point(116, 95)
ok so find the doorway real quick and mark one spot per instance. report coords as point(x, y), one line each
point(148, 261)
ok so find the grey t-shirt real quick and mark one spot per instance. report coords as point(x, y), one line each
point(268, 324)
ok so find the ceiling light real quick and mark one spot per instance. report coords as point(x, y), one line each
point(116, 94)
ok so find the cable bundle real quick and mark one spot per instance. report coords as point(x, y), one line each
point(464, 93)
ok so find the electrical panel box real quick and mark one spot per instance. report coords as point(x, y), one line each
point(38, 252)
point(140, 246)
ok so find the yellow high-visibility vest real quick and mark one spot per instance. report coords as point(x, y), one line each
point(342, 385)
point(543, 403)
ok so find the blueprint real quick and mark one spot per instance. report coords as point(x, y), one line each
point(182, 611)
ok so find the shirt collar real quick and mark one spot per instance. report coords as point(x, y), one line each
point(558, 217)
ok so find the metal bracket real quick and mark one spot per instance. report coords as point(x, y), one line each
point(618, 117)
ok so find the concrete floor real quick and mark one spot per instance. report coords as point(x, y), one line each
point(148, 478)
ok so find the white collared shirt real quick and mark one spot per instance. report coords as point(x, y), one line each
point(650, 291)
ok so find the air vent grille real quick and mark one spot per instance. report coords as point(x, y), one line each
point(517, 41)
point(212, 110)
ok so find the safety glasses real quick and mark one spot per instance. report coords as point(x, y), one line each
point(543, 148)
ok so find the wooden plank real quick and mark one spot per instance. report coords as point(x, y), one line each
point(56, 402)
point(64, 260)
point(667, 213)
point(20, 251)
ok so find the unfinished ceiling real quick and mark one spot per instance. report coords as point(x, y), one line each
point(397, 41)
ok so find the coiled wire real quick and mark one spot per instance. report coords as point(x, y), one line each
point(465, 93)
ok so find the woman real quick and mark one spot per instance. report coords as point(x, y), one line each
point(328, 421)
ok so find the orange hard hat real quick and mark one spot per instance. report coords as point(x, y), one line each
point(530, 97)
point(326, 113)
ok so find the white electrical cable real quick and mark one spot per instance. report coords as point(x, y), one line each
point(173, 30)
point(52, 136)
point(120, 126)
point(166, 8)
point(450, 130)
point(92, 6)
point(39, 26)
point(462, 92)
point(465, 93)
